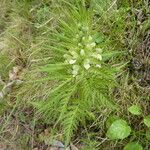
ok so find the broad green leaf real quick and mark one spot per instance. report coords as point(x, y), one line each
point(147, 134)
point(118, 130)
point(133, 146)
point(135, 110)
point(147, 121)
point(110, 120)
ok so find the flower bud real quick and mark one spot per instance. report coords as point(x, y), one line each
point(74, 54)
point(93, 44)
point(82, 52)
point(76, 67)
point(75, 70)
point(74, 73)
point(99, 57)
point(98, 66)
point(90, 38)
point(99, 50)
point(79, 44)
point(87, 64)
point(72, 61)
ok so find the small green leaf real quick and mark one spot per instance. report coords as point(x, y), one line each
point(110, 120)
point(118, 130)
point(133, 146)
point(147, 121)
point(135, 110)
point(147, 134)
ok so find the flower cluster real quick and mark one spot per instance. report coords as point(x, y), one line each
point(85, 55)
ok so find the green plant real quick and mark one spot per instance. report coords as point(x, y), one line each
point(42, 32)
point(135, 110)
point(147, 134)
point(110, 120)
point(90, 145)
point(118, 130)
point(133, 146)
point(82, 69)
point(147, 121)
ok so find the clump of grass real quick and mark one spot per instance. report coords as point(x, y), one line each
point(4, 8)
point(18, 35)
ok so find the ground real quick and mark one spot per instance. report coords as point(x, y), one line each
point(25, 28)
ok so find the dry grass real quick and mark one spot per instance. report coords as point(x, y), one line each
point(25, 27)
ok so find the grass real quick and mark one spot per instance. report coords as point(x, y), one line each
point(35, 35)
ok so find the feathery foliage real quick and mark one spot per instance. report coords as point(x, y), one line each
point(81, 69)
point(78, 46)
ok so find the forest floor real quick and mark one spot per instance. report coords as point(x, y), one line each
point(24, 27)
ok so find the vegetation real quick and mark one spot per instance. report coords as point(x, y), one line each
point(75, 74)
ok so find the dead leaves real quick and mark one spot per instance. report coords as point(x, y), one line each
point(13, 79)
